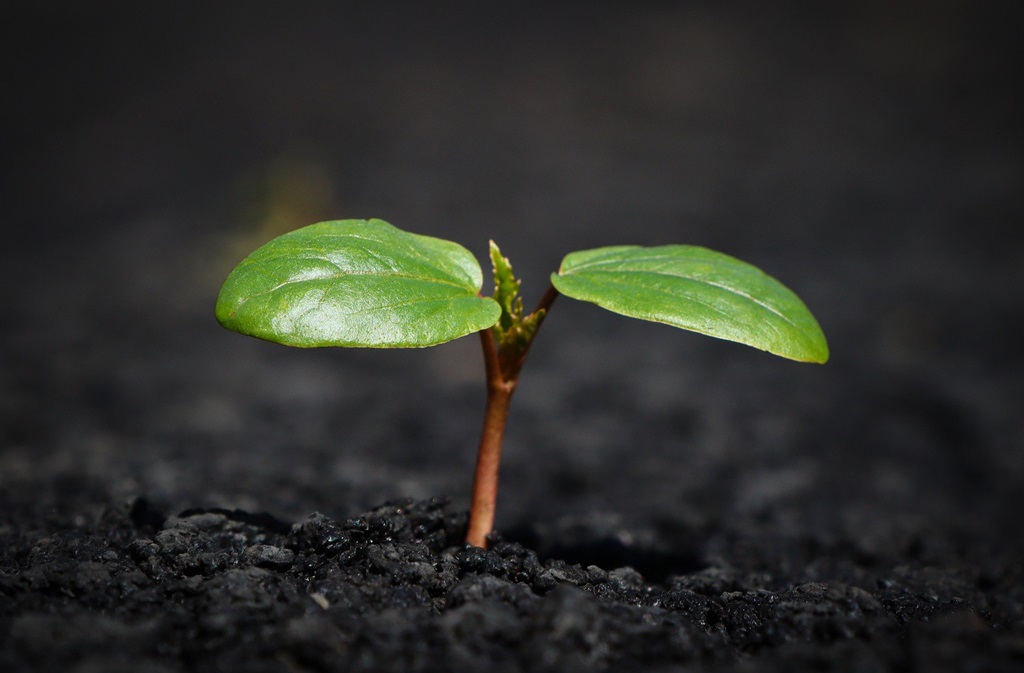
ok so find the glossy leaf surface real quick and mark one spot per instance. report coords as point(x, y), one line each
point(356, 283)
point(696, 289)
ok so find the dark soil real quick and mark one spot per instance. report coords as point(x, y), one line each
point(174, 497)
point(393, 589)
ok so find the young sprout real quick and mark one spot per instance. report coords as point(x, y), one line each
point(365, 283)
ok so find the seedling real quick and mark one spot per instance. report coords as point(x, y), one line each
point(365, 283)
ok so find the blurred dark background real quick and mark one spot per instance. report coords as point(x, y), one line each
point(867, 154)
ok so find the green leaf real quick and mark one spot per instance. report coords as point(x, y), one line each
point(356, 283)
point(695, 289)
point(506, 290)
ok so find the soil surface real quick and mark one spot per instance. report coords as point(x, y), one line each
point(175, 497)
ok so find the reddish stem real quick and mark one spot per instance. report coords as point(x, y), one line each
point(502, 370)
point(485, 483)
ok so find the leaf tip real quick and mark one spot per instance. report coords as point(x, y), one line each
point(817, 353)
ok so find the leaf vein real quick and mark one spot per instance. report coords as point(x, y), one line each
point(768, 307)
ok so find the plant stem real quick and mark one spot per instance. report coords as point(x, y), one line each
point(488, 458)
point(502, 371)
